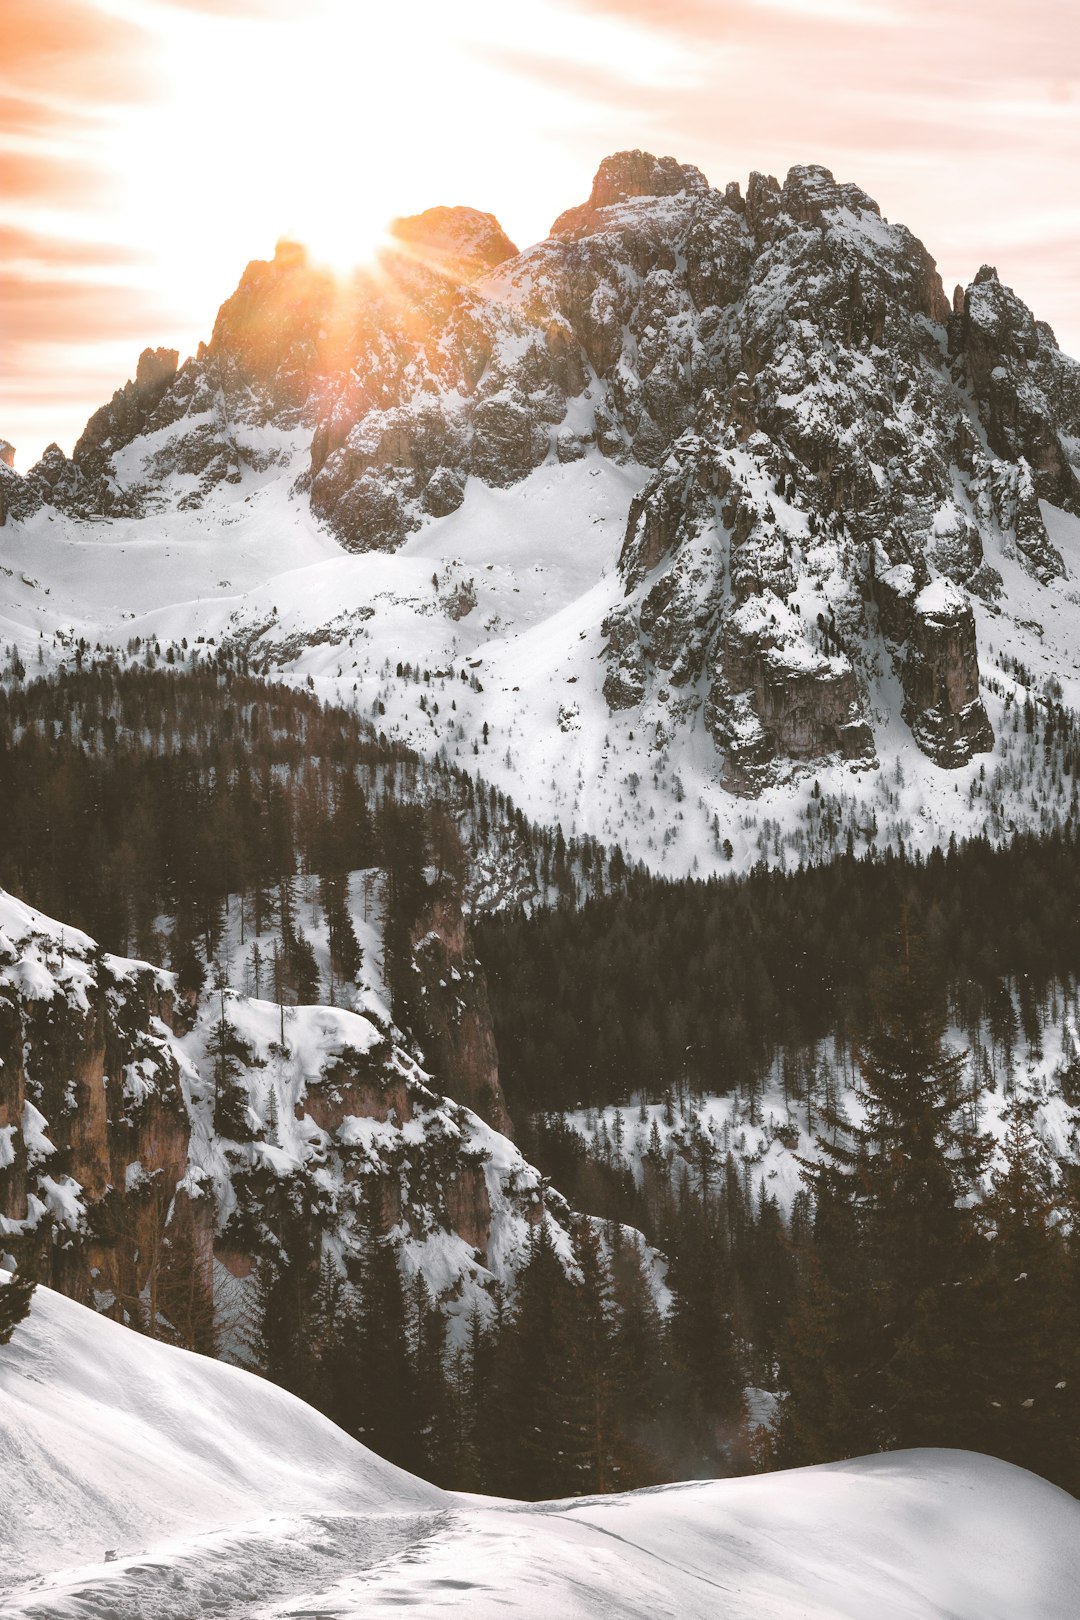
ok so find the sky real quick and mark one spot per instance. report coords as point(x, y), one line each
point(150, 148)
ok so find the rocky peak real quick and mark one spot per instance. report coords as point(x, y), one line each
point(154, 373)
point(625, 175)
point(1027, 391)
point(290, 255)
point(269, 330)
point(810, 191)
point(462, 242)
point(129, 411)
point(7, 454)
point(816, 417)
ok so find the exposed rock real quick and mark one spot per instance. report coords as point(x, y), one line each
point(625, 175)
point(19, 497)
point(624, 681)
point(453, 1017)
point(459, 241)
point(939, 666)
point(1028, 392)
point(118, 1139)
point(816, 411)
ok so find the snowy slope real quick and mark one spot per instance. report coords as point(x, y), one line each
point(113, 1442)
point(524, 579)
point(327, 1096)
point(217, 1494)
point(702, 493)
point(772, 1134)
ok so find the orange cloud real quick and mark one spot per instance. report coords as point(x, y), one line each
point(71, 50)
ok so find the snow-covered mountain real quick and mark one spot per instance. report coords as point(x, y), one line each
point(142, 1481)
point(144, 1130)
point(701, 499)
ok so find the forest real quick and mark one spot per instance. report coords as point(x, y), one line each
point(934, 1303)
point(922, 1292)
point(697, 985)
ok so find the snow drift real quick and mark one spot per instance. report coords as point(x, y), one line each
point(141, 1481)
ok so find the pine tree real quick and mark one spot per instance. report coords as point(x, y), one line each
point(231, 1101)
point(537, 1357)
point(15, 1296)
point(1025, 1396)
point(428, 1352)
point(881, 1353)
point(593, 1368)
point(640, 1370)
point(385, 1384)
point(705, 1358)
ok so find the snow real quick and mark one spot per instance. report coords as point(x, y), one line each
point(941, 597)
point(525, 577)
point(300, 1065)
point(145, 1483)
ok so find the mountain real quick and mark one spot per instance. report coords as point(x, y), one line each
point(156, 1142)
point(176, 1485)
point(708, 496)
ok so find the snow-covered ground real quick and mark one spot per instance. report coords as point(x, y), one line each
point(511, 591)
point(289, 1063)
point(144, 1483)
point(770, 1132)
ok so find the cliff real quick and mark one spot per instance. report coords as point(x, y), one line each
point(139, 1131)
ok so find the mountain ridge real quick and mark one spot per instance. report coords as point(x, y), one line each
point(844, 499)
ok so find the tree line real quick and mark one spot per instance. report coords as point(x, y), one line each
point(699, 985)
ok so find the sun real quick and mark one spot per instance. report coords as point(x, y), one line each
point(341, 245)
point(318, 121)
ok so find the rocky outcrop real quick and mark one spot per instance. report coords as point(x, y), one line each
point(139, 1133)
point(92, 1113)
point(1028, 392)
point(933, 629)
point(460, 242)
point(941, 678)
point(622, 176)
point(453, 1016)
point(19, 498)
point(90, 487)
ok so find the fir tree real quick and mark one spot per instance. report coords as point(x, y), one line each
point(15, 1295)
point(1025, 1394)
point(881, 1354)
point(385, 1388)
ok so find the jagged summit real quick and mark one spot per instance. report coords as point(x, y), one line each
point(812, 436)
point(627, 175)
point(458, 239)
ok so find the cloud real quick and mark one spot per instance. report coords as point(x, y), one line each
point(58, 182)
point(64, 310)
point(71, 50)
point(37, 248)
point(960, 116)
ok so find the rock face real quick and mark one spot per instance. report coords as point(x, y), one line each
point(462, 242)
point(814, 412)
point(625, 175)
point(1027, 392)
point(939, 665)
point(135, 1124)
point(453, 1018)
point(19, 499)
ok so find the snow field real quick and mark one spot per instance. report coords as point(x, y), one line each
point(146, 1483)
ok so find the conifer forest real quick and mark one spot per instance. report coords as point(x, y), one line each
point(910, 1280)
